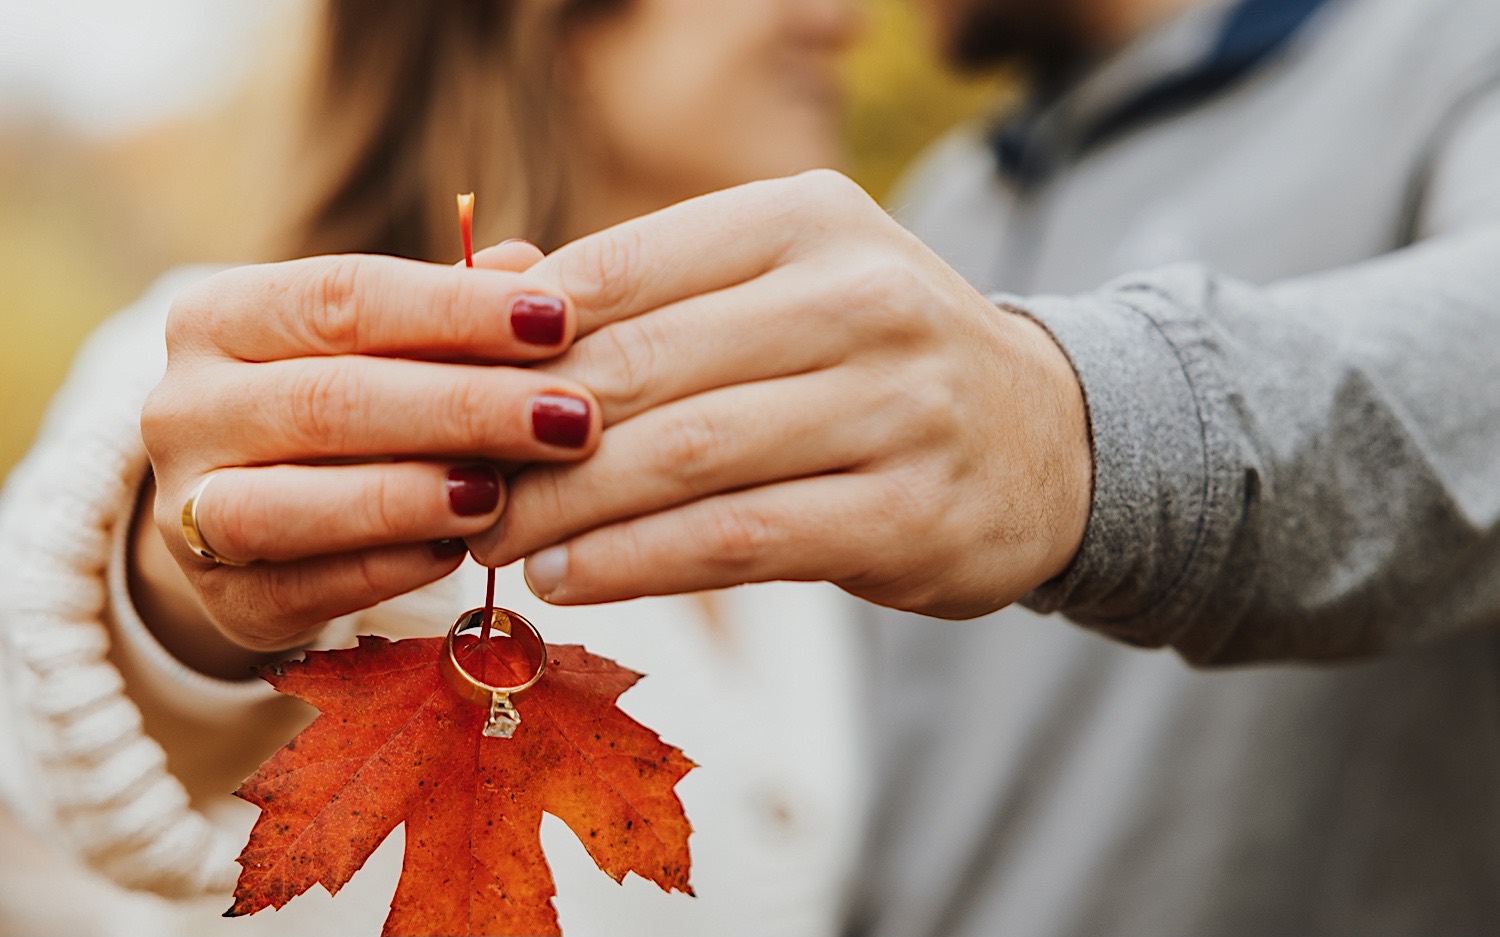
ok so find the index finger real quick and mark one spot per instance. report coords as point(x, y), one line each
point(699, 246)
point(373, 305)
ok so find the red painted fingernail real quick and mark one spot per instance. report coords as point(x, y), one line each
point(448, 549)
point(538, 319)
point(558, 420)
point(473, 490)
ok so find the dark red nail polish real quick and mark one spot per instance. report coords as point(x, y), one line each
point(560, 421)
point(538, 319)
point(473, 490)
point(448, 549)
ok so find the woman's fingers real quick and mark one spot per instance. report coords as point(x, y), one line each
point(358, 407)
point(369, 305)
point(748, 434)
point(290, 512)
point(325, 541)
point(808, 529)
point(275, 606)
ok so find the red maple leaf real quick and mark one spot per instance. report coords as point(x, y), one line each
point(394, 744)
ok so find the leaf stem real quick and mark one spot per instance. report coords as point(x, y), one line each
point(466, 229)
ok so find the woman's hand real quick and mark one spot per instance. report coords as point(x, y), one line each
point(794, 387)
point(352, 414)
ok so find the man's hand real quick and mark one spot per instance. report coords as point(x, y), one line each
point(794, 387)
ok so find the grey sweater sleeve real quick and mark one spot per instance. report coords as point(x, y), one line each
point(1305, 470)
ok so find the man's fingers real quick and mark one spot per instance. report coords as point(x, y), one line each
point(719, 340)
point(356, 407)
point(699, 246)
point(282, 513)
point(271, 607)
point(807, 529)
point(514, 256)
point(720, 441)
point(372, 305)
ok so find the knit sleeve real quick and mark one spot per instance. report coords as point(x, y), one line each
point(86, 771)
point(108, 744)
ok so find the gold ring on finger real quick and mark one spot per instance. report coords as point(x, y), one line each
point(193, 534)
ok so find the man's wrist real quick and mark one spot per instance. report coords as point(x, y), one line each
point(1070, 457)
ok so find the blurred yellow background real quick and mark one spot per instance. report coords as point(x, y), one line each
point(87, 222)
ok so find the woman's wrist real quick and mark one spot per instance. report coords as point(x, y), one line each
point(169, 606)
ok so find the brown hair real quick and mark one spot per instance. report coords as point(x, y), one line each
point(415, 100)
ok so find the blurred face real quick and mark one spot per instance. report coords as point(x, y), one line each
point(679, 97)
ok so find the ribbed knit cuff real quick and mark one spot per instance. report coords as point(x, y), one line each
point(102, 782)
point(173, 687)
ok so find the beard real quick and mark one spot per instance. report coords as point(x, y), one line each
point(1042, 35)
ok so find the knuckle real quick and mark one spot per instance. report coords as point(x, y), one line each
point(185, 411)
point(381, 508)
point(452, 312)
point(624, 357)
point(318, 406)
point(329, 313)
point(690, 441)
point(472, 419)
point(184, 318)
point(830, 189)
point(740, 536)
point(195, 315)
point(603, 273)
point(891, 301)
point(162, 416)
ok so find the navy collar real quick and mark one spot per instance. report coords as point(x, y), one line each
point(1187, 63)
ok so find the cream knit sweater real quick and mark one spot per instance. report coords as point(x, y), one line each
point(116, 761)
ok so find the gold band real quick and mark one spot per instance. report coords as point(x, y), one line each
point(503, 718)
point(190, 531)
